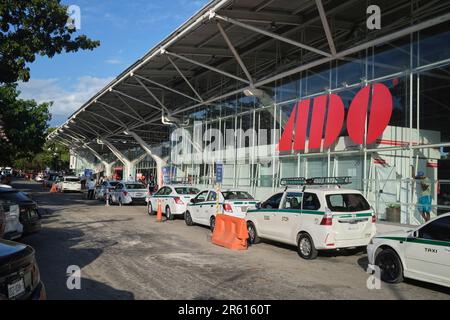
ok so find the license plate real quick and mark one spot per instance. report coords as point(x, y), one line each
point(15, 289)
point(353, 227)
point(244, 209)
point(138, 195)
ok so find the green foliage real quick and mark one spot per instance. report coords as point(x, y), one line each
point(25, 124)
point(34, 27)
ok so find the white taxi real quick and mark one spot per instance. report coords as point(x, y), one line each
point(422, 254)
point(316, 215)
point(69, 183)
point(203, 208)
point(174, 200)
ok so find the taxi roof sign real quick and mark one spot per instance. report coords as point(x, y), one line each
point(316, 181)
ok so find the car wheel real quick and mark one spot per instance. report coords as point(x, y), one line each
point(188, 218)
point(150, 209)
point(252, 234)
point(212, 223)
point(169, 215)
point(391, 268)
point(306, 248)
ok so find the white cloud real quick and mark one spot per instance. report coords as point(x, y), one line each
point(66, 100)
point(113, 61)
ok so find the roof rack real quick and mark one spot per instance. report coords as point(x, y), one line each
point(180, 182)
point(316, 181)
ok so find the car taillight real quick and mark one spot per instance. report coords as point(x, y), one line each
point(35, 274)
point(327, 219)
point(178, 200)
point(227, 207)
point(125, 193)
point(374, 218)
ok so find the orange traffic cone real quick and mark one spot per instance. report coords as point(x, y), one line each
point(159, 212)
point(53, 189)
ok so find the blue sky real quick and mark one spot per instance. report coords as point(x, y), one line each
point(126, 29)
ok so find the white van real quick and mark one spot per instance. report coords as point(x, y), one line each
point(314, 214)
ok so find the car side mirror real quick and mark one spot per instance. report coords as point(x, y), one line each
point(192, 201)
point(414, 234)
point(258, 205)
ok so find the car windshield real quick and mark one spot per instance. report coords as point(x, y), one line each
point(72, 180)
point(14, 196)
point(187, 190)
point(135, 186)
point(347, 202)
point(113, 183)
point(237, 195)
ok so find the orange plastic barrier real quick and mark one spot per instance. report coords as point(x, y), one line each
point(230, 232)
point(53, 189)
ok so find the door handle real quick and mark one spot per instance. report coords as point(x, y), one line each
point(212, 205)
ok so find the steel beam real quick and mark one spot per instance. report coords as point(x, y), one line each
point(207, 67)
point(152, 95)
point(326, 26)
point(272, 35)
point(118, 110)
point(184, 78)
point(136, 99)
point(235, 53)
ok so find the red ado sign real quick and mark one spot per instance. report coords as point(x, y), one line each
point(327, 124)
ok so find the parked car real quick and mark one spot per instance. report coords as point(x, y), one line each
point(314, 214)
point(69, 183)
point(202, 208)
point(19, 273)
point(102, 189)
point(174, 200)
point(422, 254)
point(128, 193)
point(13, 229)
point(29, 216)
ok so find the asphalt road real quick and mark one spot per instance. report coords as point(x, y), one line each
point(125, 254)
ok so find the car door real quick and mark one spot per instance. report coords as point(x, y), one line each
point(158, 196)
point(196, 208)
point(427, 254)
point(266, 218)
point(288, 219)
point(209, 209)
point(116, 192)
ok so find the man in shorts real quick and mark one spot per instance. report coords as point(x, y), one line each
point(425, 196)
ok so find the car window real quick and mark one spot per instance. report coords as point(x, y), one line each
point(237, 195)
point(202, 196)
point(72, 180)
point(293, 200)
point(273, 202)
point(168, 191)
point(187, 190)
point(311, 202)
point(14, 196)
point(113, 184)
point(438, 229)
point(118, 187)
point(135, 186)
point(212, 196)
point(161, 191)
point(347, 202)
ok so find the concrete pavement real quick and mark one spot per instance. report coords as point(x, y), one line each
point(125, 254)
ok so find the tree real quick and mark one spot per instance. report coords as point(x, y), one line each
point(25, 125)
point(34, 27)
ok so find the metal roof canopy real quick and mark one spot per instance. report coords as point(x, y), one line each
point(237, 45)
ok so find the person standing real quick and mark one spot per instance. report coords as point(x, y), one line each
point(91, 188)
point(425, 198)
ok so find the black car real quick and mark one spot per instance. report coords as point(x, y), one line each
point(29, 216)
point(19, 273)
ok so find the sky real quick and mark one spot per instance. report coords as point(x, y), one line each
point(126, 29)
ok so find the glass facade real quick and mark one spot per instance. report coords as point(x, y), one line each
point(415, 69)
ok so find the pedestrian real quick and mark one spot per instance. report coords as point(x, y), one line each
point(425, 198)
point(91, 188)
